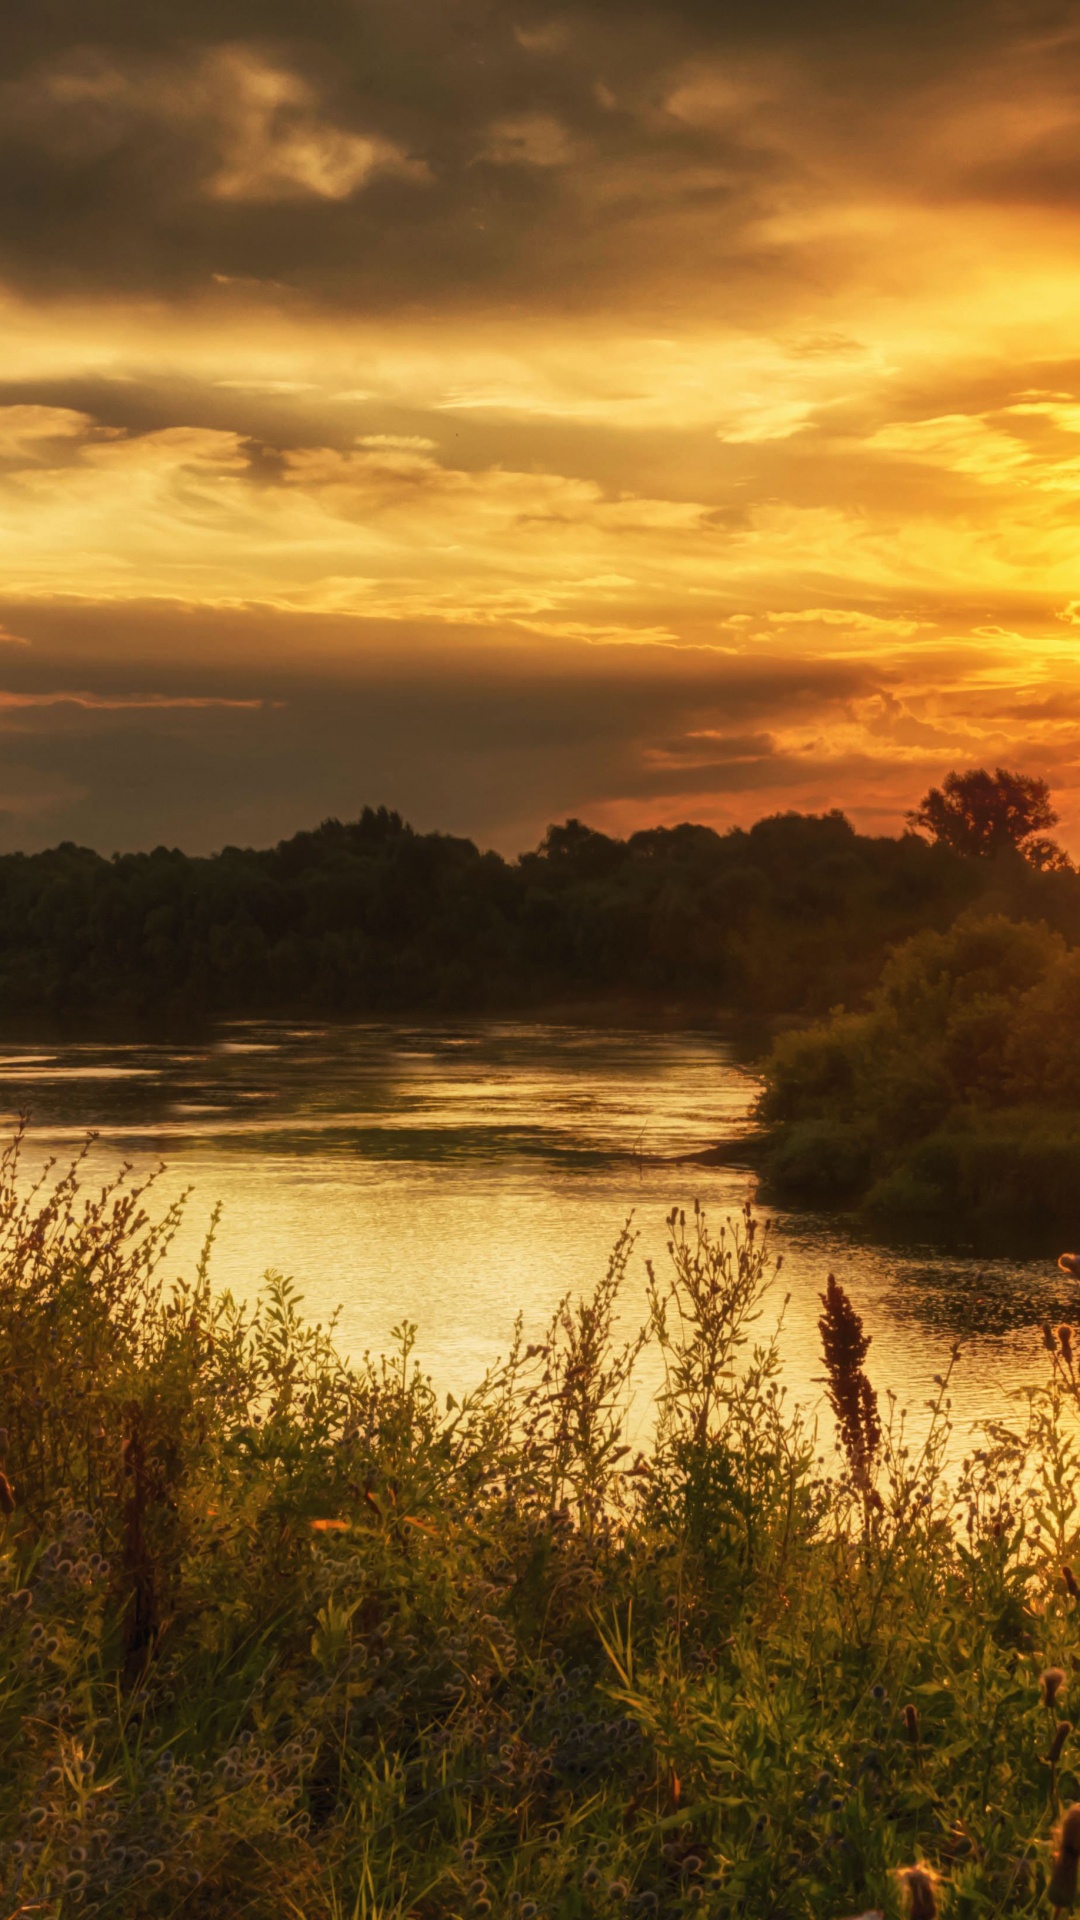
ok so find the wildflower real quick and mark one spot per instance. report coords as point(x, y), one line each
point(1065, 1338)
point(591, 1877)
point(911, 1722)
point(1071, 1586)
point(919, 1886)
point(528, 1910)
point(74, 1882)
point(1048, 1336)
point(1050, 1685)
point(468, 1850)
point(1057, 1744)
point(850, 1395)
point(1070, 1263)
point(691, 1864)
point(617, 1890)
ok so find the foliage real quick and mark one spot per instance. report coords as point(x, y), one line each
point(284, 1636)
point(979, 813)
point(792, 916)
point(958, 1088)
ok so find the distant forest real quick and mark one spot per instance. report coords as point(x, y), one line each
point(789, 918)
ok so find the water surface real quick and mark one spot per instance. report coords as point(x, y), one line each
point(454, 1174)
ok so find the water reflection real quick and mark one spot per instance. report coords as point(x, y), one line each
point(454, 1173)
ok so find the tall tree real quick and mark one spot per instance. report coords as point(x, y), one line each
point(979, 813)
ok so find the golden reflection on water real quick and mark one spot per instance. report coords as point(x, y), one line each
point(454, 1174)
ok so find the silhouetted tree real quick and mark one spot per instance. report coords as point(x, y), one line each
point(979, 813)
point(367, 916)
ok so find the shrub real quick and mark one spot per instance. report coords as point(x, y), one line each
point(983, 1020)
point(823, 1162)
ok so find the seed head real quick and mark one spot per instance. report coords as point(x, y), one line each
point(7, 1495)
point(919, 1886)
point(911, 1722)
point(1057, 1744)
point(1050, 1684)
point(1070, 1263)
point(1071, 1586)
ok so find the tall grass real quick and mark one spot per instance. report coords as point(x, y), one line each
point(286, 1636)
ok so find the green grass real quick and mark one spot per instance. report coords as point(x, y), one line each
point(282, 1636)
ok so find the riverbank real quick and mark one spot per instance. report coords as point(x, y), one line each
point(283, 1635)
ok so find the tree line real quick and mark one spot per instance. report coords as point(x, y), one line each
point(368, 917)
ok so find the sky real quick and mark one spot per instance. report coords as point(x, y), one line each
point(643, 412)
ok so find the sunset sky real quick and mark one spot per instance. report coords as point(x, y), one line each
point(503, 412)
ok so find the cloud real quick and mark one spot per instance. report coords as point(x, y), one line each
point(121, 702)
point(505, 413)
point(257, 127)
point(529, 140)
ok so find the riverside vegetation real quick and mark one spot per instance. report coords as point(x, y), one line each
point(285, 1636)
point(956, 1091)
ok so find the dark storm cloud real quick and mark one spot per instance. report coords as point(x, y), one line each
point(428, 149)
point(493, 748)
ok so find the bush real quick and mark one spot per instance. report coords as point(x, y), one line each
point(818, 1161)
point(1016, 1168)
point(945, 1090)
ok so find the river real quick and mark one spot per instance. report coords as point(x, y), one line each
point(455, 1173)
